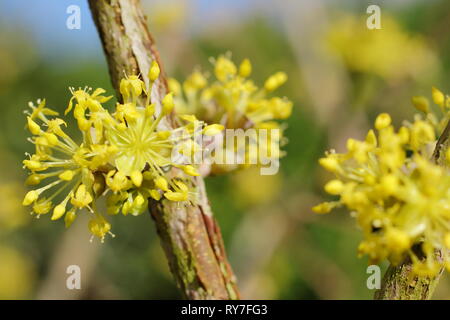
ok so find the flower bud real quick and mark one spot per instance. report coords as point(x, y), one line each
point(421, 103)
point(30, 197)
point(167, 103)
point(334, 187)
point(382, 121)
point(161, 183)
point(136, 178)
point(245, 69)
point(58, 212)
point(190, 170)
point(66, 175)
point(33, 126)
point(154, 72)
point(176, 196)
point(438, 96)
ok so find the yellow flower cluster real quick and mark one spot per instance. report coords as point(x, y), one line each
point(124, 156)
point(388, 52)
point(399, 196)
point(231, 98)
point(234, 100)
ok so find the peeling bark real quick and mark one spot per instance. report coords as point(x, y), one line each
point(399, 283)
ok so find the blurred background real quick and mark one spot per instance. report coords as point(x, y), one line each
point(341, 75)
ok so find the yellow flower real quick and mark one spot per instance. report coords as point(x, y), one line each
point(131, 88)
point(382, 121)
point(99, 227)
point(233, 100)
point(421, 103)
point(225, 68)
point(330, 163)
point(389, 52)
point(124, 155)
point(324, 207)
point(58, 158)
point(275, 81)
point(334, 187)
point(154, 72)
point(168, 104)
point(144, 144)
point(438, 96)
point(245, 68)
point(195, 81)
point(82, 197)
point(232, 96)
point(398, 195)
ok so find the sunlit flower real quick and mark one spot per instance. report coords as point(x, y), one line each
point(125, 155)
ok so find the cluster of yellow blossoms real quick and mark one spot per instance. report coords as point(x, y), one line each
point(124, 156)
point(398, 194)
point(388, 52)
point(233, 100)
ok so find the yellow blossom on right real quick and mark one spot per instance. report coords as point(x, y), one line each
point(395, 188)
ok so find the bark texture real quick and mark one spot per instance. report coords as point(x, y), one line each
point(190, 235)
point(399, 283)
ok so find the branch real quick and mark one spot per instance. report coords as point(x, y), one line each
point(399, 283)
point(190, 235)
